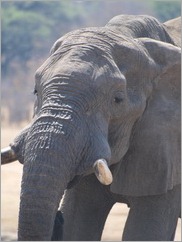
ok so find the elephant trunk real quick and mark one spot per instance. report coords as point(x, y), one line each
point(52, 152)
point(46, 174)
point(42, 188)
point(40, 197)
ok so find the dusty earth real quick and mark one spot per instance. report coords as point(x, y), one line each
point(10, 191)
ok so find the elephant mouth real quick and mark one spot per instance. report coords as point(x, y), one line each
point(74, 181)
point(101, 171)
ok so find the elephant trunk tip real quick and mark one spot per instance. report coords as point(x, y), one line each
point(103, 172)
point(7, 155)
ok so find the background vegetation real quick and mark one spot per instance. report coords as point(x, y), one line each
point(29, 28)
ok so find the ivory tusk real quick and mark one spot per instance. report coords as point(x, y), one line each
point(7, 155)
point(103, 172)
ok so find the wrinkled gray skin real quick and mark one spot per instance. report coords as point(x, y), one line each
point(111, 92)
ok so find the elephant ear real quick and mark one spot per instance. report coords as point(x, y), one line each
point(152, 163)
point(56, 46)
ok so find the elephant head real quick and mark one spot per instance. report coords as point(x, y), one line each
point(99, 96)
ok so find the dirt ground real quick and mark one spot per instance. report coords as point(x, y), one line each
point(10, 191)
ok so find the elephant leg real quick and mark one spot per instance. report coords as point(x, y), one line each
point(57, 234)
point(85, 209)
point(153, 218)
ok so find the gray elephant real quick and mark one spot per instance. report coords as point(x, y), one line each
point(108, 102)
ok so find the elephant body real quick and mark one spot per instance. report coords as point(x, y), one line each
point(106, 97)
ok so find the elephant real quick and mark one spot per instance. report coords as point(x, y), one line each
point(105, 129)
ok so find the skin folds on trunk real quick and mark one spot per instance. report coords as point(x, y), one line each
point(45, 176)
point(40, 197)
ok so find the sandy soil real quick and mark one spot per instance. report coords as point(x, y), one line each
point(10, 191)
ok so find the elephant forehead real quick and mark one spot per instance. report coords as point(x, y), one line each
point(97, 46)
point(77, 65)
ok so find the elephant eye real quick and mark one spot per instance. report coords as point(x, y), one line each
point(35, 92)
point(118, 97)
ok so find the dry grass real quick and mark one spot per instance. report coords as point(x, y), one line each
point(10, 191)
